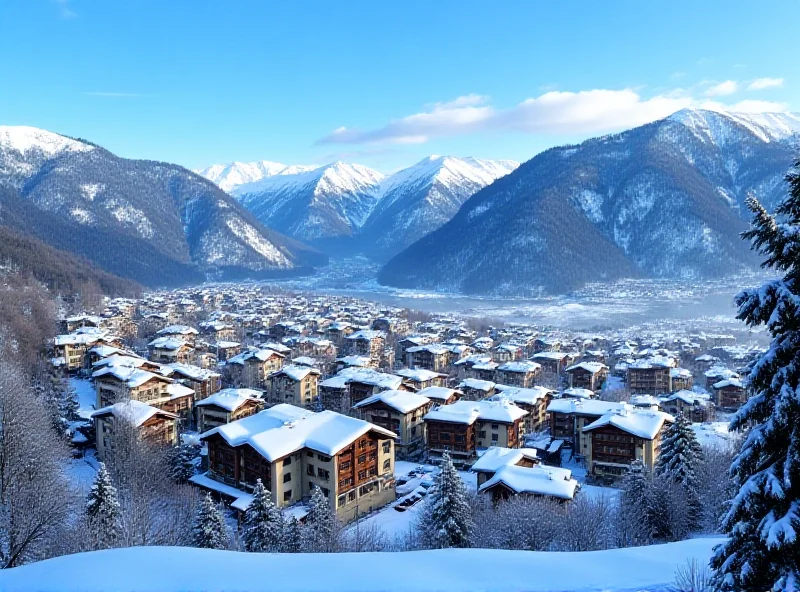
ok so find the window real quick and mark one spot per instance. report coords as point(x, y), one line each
point(310, 470)
point(325, 492)
point(445, 436)
point(287, 477)
point(414, 431)
point(287, 461)
point(387, 446)
point(351, 496)
point(344, 466)
point(287, 495)
point(309, 454)
point(323, 458)
point(341, 501)
point(387, 464)
point(460, 438)
point(323, 474)
point(495, 426)
point(362, 459)
point(362, 475)
point(482, 434)
point(494, 437)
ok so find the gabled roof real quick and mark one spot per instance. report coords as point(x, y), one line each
point(419, 374)
point(439, 393)
point(468, 412)
point(230, 399)
point(641, 423)
point(283, 429)
point(497, 457)
point(400, 401)
point(528, 396)
point(134, 411)
point(297, 373)
point(537, 480)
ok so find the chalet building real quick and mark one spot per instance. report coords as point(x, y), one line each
point(554, 365)
point(403, 345)
point(390, 325)
point(504, 472)
point(337, 332)
point(355, 362)
point(296, 385)
point(419, 378)
point(465, 426)
point(522, 373)
point(293, 450)
point(226, 406)
point(695, 406)
point(650, 376)
point(400, 412)
point(182, 332)
point(169, 350)
point(153, 322)
point(506, 352)
point(217, 331)
point(618, 438)
point(483, 370)
point(312, 346)
point(252, 368)
point(729, 393)
point(202, 381)
point(72, 324)
point(497, 457)
point(121, 325)
point(127, 379)
point(587, 375)
point(575, 392)
point(717, 374)
point(225, 350)
point(476, 390)
point(545, 345)
point(155, 426)
point(283, 329)
point(433, 356)
point(72, 348)
point(680, 379)
point(100, 352)
point(366, 343)
point(465, 365)
point(440, 395)
point(534, 400)
point(569, 416)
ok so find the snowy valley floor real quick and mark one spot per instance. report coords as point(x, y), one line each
point(178, 569)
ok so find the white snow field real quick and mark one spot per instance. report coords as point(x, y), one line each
point(178, 569)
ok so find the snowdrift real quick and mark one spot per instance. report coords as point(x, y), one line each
point(173, 569)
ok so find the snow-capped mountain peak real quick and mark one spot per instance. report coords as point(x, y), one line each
point(341, 176)
point(715, 126)
point(24, 139)
point(230, 176)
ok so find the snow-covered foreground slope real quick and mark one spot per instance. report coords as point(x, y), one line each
point(172, 569)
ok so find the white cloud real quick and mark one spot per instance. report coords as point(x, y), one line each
point(64, 9)
point(555, 112)
point(552, 112)
point(762, 83)
point(723, 89)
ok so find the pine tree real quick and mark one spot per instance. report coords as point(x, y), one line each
point(182, 462)
point(446, 520)
point(291, 538)
point(209, 530)
point(320, 533)
point(679, 459)
point(763, 548)
point(68, 405)
point(262, 530)
point(636, 511)
point(103, 510)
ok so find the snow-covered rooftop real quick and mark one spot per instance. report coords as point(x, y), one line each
point(537, 480)
point(283, 429)
point(468, 412)
point(638, 422)
point(400, 401)
point(230, 399)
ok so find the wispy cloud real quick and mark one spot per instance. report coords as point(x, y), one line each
point(583, 112)
point(762, 83)
point(723, 89)
point(65, 9)
point(115, 94)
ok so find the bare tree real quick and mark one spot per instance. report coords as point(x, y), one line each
point(33, 503)
point(587, 525)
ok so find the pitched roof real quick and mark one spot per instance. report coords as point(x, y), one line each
point(400, 401)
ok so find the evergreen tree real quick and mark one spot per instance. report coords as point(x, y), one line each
point(262, 530)
point(291, 538)
point(320, 533)
point(209, 530)
point(762, 551)
point(447, 517)
point(68, 405)
point(183, 462)
point(679, 459)
point(103, 510)
point(636, 513)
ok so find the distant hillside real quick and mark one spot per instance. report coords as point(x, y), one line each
point(62, 272)
point(662, 200)
point(153, 222)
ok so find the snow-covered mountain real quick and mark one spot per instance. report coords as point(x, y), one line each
point(662, 200)
point(154, 222)
point(328, 202)
point(419, 199)
point(232, 175)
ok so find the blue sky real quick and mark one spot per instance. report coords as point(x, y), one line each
point(380, 83)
